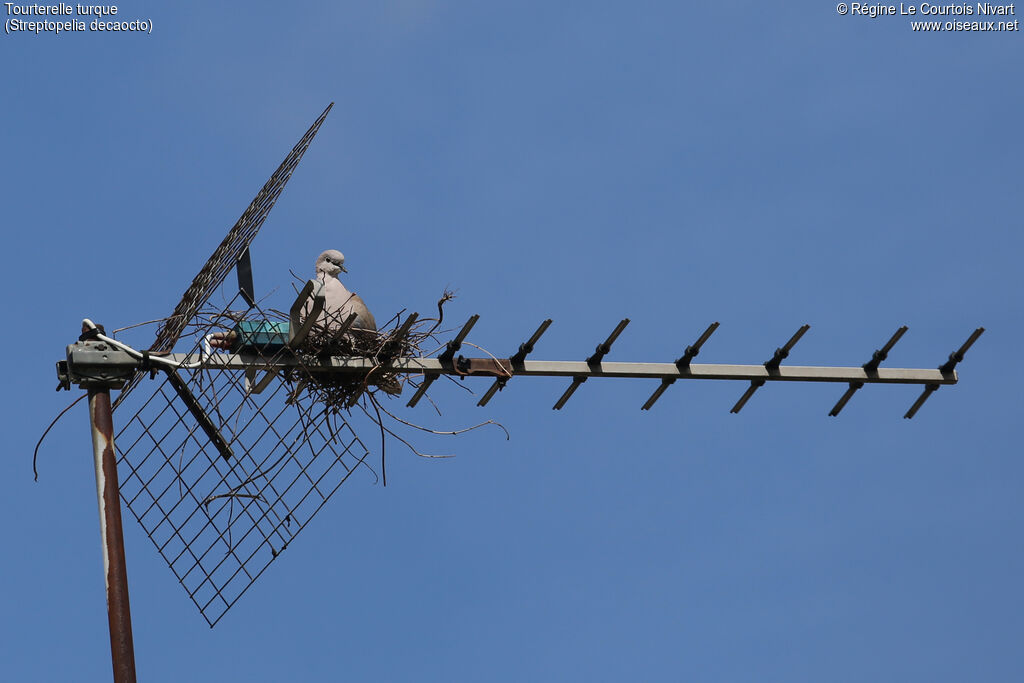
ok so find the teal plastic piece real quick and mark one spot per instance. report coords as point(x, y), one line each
point(261, 335)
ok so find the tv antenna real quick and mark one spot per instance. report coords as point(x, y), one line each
point(240, 436)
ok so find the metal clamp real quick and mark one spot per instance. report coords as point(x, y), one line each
point(683, 363)
point(455, 344)
point(947, 368)
point(445, 357)
point(95, 364)
point(516, 359)
point(594, 360)
point(772, 366)
point(870, 368)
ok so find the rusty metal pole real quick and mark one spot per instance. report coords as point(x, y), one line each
point(122, 649)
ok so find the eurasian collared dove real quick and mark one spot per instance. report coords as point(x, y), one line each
point(339, 303)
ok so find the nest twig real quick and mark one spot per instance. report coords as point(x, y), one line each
point(336, 391)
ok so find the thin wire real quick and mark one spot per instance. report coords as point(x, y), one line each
point(380, 423)
point(39, 443)
point(131, 327)
point(456, 432)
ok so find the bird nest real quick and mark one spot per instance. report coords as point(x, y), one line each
point(337, 391)
point(342, 390)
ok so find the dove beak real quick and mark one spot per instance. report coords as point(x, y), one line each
point(343, 269)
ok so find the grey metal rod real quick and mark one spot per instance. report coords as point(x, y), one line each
point(526, 348)
point(455, 344)
point(881, 354)
point(560, 368)
point(958, 355)
point(754, 386)
point(845, 398)
point(122, 648)
point(782, 353)
point(604, 348)
point(665, 384)
point(693, 349)
point(928, 391)
point(491, 391)
point(576, 382)
point(427, 381)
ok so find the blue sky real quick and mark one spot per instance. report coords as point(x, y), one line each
point(761, 165)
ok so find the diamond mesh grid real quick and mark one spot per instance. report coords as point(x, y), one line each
point(219, 522)
point(226, 255)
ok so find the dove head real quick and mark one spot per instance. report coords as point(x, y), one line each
point(331, 262)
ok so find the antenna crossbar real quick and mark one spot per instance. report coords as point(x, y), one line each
point(567, 368)
point(84, 365)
